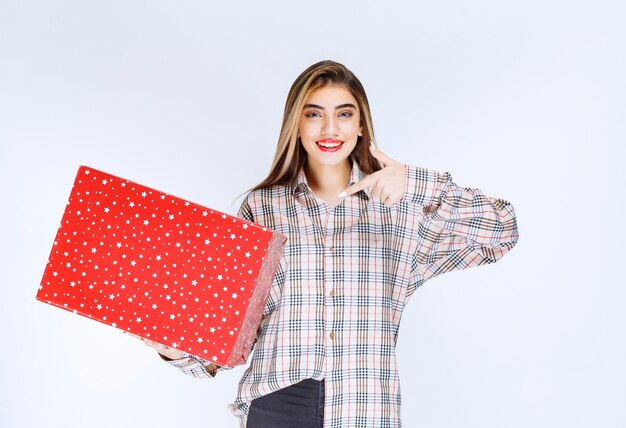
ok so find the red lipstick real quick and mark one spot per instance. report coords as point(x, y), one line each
point(329, 145)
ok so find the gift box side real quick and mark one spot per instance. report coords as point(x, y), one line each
point(252, 319)
point(64, 218)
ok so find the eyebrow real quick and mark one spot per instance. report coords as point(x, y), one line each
point(340, 106)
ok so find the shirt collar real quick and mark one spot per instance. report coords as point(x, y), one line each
point(301, 184)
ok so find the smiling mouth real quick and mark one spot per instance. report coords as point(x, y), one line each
point(329, 145)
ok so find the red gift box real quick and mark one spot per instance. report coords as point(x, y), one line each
point(161, 267)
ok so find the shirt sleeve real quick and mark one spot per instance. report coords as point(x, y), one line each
point(245, 210)
point(459, 228)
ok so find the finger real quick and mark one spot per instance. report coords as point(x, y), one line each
point(382, 157)
point(373, 151)
point(385, 200)
point(393, 198)
point(389, 201)
point(366, 182)
point(381, 192)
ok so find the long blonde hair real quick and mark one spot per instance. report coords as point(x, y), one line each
point(290, 156)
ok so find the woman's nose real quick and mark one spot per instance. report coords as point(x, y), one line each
point(329, 126)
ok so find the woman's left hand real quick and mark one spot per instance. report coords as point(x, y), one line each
point(388, 184)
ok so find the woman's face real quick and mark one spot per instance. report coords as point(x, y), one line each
point(329, 125)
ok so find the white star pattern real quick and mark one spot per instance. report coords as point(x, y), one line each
point(111, 254)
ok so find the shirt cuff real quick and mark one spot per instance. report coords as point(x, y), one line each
point(192, 365)
point(423, 186)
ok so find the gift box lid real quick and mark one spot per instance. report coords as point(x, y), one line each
point(161, 267)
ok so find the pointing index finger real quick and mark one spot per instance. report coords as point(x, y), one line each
point(355, 188)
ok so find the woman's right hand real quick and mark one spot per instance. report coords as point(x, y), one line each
point(166, 351)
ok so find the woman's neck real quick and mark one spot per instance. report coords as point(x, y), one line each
point(328, 180)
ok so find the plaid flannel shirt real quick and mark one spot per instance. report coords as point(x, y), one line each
point(345, 277)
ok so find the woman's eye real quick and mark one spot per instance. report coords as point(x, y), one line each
point(312, 114)
point(346, 114)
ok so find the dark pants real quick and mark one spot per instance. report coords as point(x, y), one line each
point(300, 405)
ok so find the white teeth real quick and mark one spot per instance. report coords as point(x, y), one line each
point(330, 145)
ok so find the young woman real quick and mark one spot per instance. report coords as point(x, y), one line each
point(364, 231)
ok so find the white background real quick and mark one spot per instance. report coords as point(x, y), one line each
point(524, 100)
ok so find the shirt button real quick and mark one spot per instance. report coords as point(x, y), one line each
point(332, 293)
point(332, 248)
point(331, 335)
